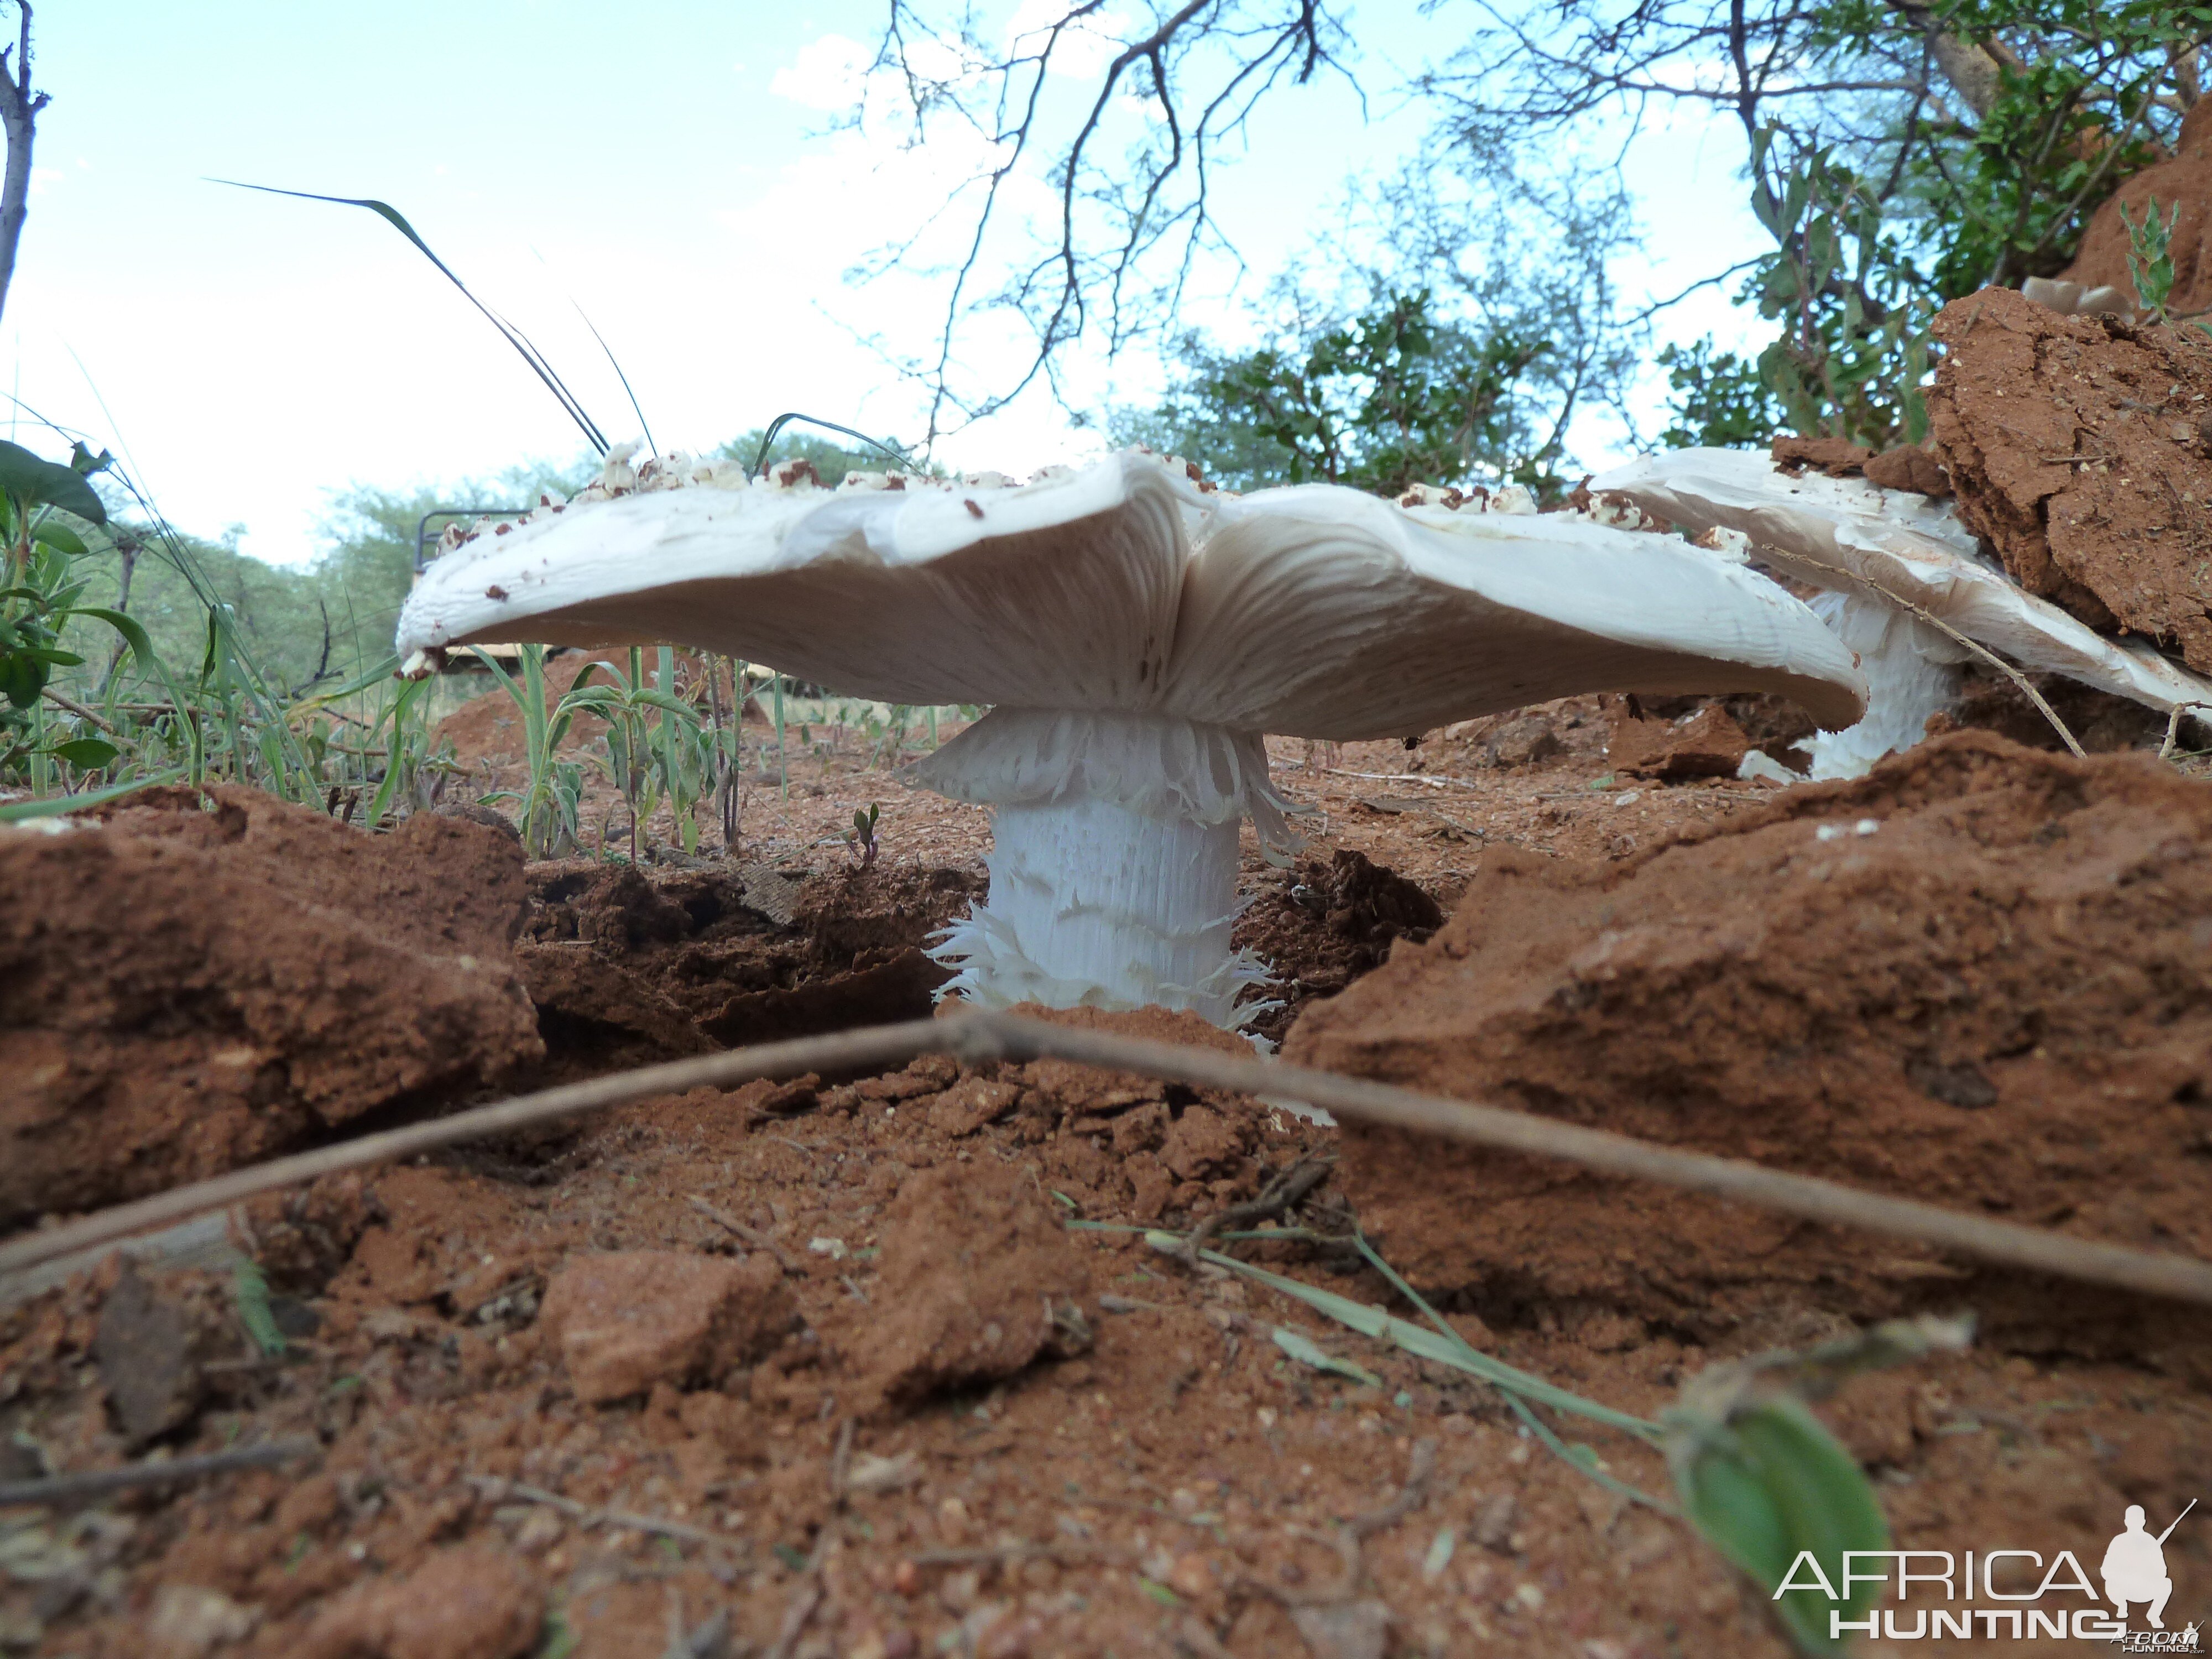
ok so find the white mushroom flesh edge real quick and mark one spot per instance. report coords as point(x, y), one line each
point(1841, 533)
point(1134, 638)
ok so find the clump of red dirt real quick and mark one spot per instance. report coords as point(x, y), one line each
point(193, 986)
point(2081, 448)
point(1906, 467)
point(1981, 977)
point(979, 1282)
point(2183, 180)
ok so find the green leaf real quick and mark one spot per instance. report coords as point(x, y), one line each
point(34, 483)
point(1307, 1352)
point(1771, 1486)
point(21, 812)
point(60, 537)
point(134, 635)
point(250, 1287)
point(513, 336)
point(90, 754)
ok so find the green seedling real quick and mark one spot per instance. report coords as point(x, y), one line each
point(249, 1288)
point(552, 799)
point(861, 839)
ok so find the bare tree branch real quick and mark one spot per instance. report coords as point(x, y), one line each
point(19, 114)
point(1131, 221)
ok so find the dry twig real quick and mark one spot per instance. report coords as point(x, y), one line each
point(498, 1490)
point(1974, 646)
point(154, 1472)
point(1285, 1191)
point(752, 1235)
point(981, 1036)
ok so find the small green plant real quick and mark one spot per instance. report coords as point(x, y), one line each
point(249, 1289)
point(645, 757)
point(861, 839)
point(551, 800)
point(2150, 261)
point(40, 593)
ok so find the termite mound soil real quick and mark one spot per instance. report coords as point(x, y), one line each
point(2183, 180)
point(2081, 448)
point(194, 987)
point(1981, 977)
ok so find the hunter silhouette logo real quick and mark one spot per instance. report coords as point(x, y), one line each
point(2134, 1566)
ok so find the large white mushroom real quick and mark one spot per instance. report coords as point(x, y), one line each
point(1134, 636)
point(1870, 547)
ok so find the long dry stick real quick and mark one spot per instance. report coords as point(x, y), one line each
point(979, 1036)
point(154, 1472)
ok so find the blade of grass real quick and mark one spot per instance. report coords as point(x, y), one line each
point(513, 336)
point(22, 811)
point(1453, 1350)
point(768, 438)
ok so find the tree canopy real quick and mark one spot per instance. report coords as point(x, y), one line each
point(1900, 153)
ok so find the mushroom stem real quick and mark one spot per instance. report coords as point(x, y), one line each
point(1094, 905)
point(1114, 860)
point(1912, 671)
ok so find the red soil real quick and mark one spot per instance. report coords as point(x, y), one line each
point(191, 989)
point(1982, 977)
point(882, 1407)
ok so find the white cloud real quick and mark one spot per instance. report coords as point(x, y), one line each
point(830, 73)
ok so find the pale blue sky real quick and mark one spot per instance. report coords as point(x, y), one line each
point(661, 163)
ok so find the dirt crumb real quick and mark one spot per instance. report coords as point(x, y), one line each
point(154, 1343)
point(979, 1282)
point(1836, 457)
point(188, 1621)
point(628, 1319)
point(1705, 744)
point(465, 1603)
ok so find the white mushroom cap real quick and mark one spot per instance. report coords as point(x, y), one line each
point(1912, 545)
point(1314, 611)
